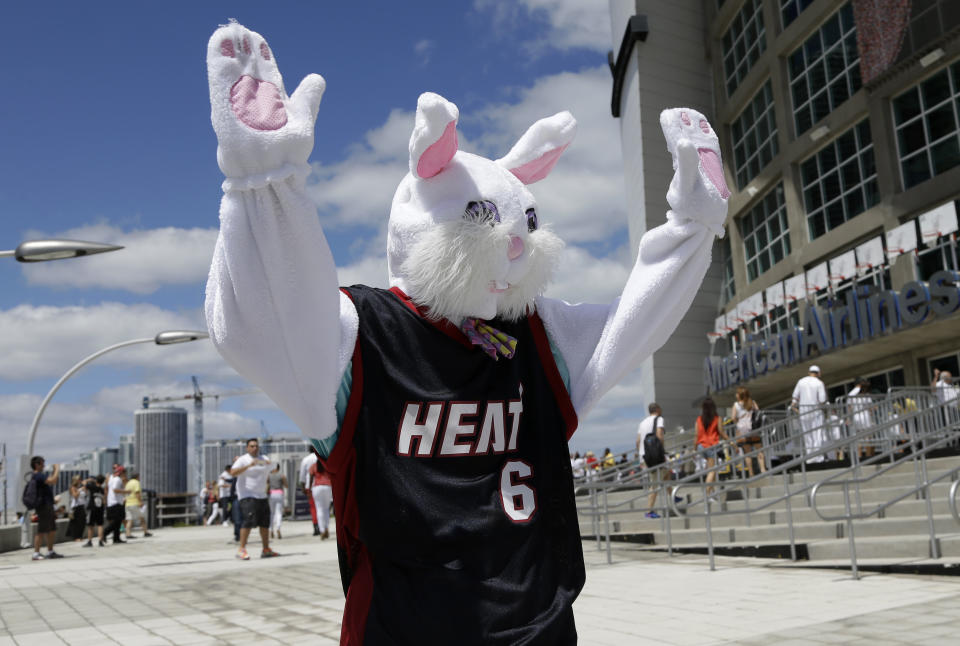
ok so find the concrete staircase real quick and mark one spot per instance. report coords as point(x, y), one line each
point(899, 532)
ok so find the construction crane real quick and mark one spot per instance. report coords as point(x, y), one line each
point(198, 396)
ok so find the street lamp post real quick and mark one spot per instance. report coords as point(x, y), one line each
point(168, 337)
point(42, 250)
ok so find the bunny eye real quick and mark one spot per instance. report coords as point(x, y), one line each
point(532, 221)
point(484, 212)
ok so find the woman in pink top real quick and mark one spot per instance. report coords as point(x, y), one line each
point(320, 487)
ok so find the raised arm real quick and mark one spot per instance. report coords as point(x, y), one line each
point(273, 307)
point(601, 344)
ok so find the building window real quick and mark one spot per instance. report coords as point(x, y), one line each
point(755, 137)
point(840, 181)
point(743, 43)
point(766, 235)
point(825, 70)
point(925, 119)
point(790, 9)
point(726, 282)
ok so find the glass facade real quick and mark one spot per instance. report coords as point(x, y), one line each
point(743, 43)
point(790, 9)
point(926, 119)
point(840, 181)
point(726, 260)
point(765, 233)
point(825, 70)
point(754, 136)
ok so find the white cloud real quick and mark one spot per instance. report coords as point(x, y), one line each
point(423, 49)
point(150, 259)
point(581, 278)
point(45, 341)
point(584, 196)
point(570, 24)
point(371, 271)
point(583, 200)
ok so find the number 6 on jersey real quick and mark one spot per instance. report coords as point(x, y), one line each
point(519, 500)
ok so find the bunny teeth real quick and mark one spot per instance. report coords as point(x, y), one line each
point(499, 286)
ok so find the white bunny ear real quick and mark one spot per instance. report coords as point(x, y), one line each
point(534, 155)
point(434, 139)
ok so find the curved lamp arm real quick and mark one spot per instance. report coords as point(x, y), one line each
point(67, 375)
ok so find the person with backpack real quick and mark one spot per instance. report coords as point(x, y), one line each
point(38, 496)
point(749, 420)
point(95, 509)
point(650, 448)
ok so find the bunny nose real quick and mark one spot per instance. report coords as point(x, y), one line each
point(515, 250)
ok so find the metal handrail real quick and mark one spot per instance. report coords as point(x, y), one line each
point(952, 499)
point(923, 485)
point(901, 418)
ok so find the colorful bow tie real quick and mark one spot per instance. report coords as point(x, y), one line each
point(491, 340)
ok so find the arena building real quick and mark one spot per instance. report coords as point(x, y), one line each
point(840, 129)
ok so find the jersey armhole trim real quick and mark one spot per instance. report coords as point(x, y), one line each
point(343, 447)
point(560, 392)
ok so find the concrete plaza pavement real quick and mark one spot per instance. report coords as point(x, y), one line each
point(184, 586)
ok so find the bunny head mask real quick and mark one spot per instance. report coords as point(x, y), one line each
point(464, 237)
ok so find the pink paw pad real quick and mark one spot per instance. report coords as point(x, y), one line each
point(685, 118)
point(246, 45)
point(705, 126)
point(258, 104)
point(226, 48)
point(265, 51)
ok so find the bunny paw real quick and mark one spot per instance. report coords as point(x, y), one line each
point(699, 190)
point(241, 59)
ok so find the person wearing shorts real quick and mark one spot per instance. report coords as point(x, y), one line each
point(95, 509)
point(46, 519)
point(251, 471)
point(134, 506)
point(709, 433)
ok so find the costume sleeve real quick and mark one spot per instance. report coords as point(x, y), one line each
point(273, 306)
point(602, 344)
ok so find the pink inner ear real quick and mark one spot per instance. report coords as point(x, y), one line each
point(439, 153)
point(540, 167)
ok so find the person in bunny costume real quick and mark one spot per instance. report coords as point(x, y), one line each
point(442, 407)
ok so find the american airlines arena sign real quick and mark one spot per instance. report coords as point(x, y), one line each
point(863, 315)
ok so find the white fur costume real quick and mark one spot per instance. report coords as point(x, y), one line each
point(273, 306)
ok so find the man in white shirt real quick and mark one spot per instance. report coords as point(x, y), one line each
point(116, 497)
point(304, 479)
point(945, 391)
point(251, 471)
point(809, 397)
point(652, 423)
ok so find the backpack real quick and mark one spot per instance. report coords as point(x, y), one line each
point(30, 494)
point(653, 453)
point(757, 419)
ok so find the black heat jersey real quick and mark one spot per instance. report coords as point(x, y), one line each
point(456, 520)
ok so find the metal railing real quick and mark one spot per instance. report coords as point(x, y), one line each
point(898, 421)
point(914, 450)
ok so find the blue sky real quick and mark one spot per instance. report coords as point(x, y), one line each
point(105, 135)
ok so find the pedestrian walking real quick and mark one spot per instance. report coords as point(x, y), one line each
point(276, 489)
point(115, 508)
point(709, 433)
point(304, 481)
point(95, 510)
point(809, 397)
point(38, 496)
point(744, 414)
point(322, 491)
point(134, 506)
point(652, 424)
point(251, 470)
